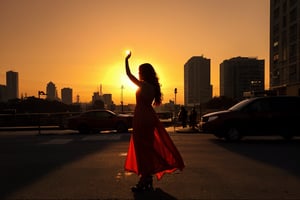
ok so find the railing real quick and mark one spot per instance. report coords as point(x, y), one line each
point(55, 119)
point(34, 119)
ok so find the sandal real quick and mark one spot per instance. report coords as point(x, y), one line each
point(145, 184)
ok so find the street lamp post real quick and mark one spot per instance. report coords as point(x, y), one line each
point(39, 95)
point(175, 92)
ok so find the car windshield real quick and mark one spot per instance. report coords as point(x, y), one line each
point(240, 105)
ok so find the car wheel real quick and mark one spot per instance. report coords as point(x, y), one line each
point(287, 134)
point(288, 137)
point(218, 135)
point(83, 129)
point(95, 131)
point(232, 134)
point(121, 128)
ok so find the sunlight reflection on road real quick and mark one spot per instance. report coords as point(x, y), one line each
point(123, 154)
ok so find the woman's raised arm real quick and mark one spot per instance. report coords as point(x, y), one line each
point(129, 74)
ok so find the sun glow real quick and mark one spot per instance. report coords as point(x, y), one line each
point(127, 52)
point(127, 84)
point(128, 90)
point(116, 82)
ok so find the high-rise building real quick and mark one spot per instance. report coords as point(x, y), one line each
point(51, 91)
point(67, 95)
point(197, 87)
point(285, 47)
point(241, 74)
point(12, 85)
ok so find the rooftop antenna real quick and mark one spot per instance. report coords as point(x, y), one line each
point(100, 89)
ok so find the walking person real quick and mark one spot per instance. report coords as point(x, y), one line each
point(193, 118)
point(151, 150)
point(182, 116)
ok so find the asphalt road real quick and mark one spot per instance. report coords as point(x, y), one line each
point(66, 165)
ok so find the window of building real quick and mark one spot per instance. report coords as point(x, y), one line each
point(293, 53)
point(275, 58)
point(292, 73)
point(293, 15)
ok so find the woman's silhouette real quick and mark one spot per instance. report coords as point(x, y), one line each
point(151, 150)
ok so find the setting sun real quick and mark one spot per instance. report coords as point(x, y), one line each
point(127, 52)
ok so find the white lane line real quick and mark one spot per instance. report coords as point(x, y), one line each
point(101, 137)
point(58, 141)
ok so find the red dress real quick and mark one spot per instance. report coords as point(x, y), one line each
point(151, 150)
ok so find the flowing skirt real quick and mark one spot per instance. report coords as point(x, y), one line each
point(151, 150)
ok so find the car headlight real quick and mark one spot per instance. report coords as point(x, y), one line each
point(211, 118)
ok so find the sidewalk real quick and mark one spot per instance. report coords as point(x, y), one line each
point(182, 130)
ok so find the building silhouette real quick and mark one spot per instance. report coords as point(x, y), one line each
point(51, 91)
point(107, 98)
point(67, 95)
point(12, 85)
point(3, 93)
point(96, 97)
point(285, 47)
point(197, 87)
point(241, 74)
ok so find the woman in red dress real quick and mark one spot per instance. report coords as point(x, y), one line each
point(151, 150)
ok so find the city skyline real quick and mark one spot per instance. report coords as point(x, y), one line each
point(10, 91)
point(81, 44)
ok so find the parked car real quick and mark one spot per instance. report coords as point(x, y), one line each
point(166, 118)
point(99, 120)
point(273, 115)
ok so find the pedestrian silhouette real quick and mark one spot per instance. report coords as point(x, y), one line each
point(193, 118)
point(182, 116)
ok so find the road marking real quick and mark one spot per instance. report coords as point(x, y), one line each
point(58, 141)
point(122, 175)
point(123, 154)
point(101, 137)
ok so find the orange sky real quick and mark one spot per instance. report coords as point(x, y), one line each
point(81, 43)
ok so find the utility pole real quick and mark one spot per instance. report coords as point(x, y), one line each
point(122, 88)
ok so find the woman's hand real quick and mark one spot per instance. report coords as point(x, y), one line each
point(128, 55)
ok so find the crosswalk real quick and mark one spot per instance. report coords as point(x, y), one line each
point(58, 141)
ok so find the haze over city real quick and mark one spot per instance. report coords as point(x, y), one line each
point(81, 44)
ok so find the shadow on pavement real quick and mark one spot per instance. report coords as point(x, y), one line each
point(26, 159)
point(279, 153)
point(151, 195)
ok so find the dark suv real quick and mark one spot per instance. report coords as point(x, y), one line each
point(273, 115)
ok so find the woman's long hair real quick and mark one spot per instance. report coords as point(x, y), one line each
point(148, 73)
